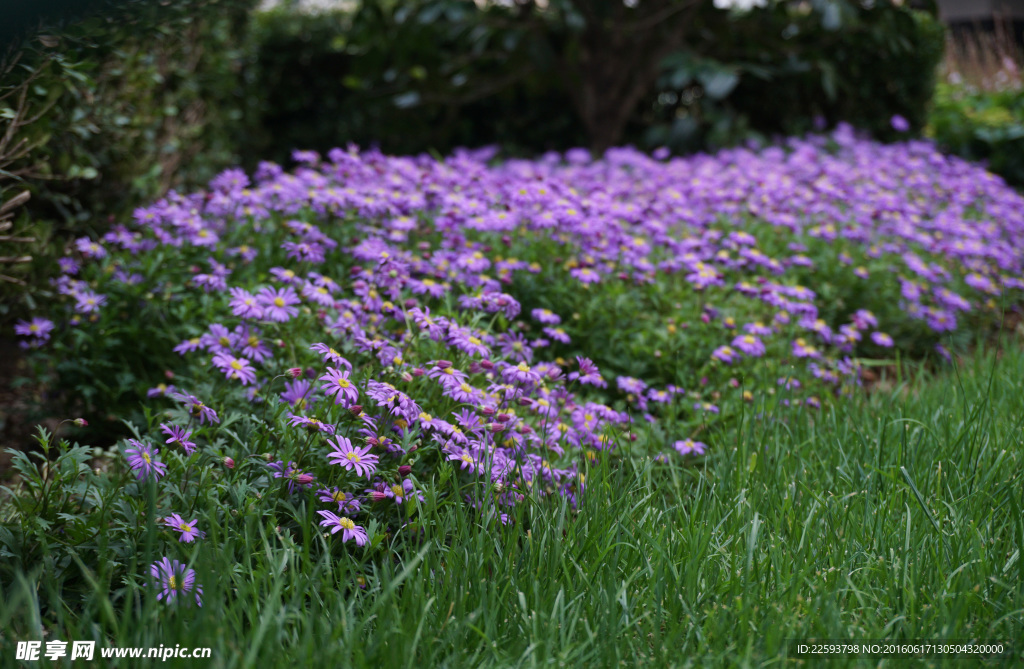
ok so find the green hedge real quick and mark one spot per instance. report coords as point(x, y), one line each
point(437, 74)
point(111, 109)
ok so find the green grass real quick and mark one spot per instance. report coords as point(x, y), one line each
point(894, 516)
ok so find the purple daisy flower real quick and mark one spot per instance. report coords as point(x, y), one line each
point(359, 460)
point(339, 385)
point(347, 503)
point(244, 304)
point(188, 530)
point(143, 460)
point(689, 447)
point(235, 368)
point(882, 339)
point(345, 525)
point(311, 424)
point(197, 409)
point(173, 578)
point(178, 435)
point(331, 356)
point(278, 304)
point(39, 328)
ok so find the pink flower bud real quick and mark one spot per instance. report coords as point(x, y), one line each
point(503, 417)
point(229, 463)
point(304, 479)
point(524, 401)
point(378, 496)
point(404, 470)
point(356, 409)
point(407, 377)
point(497, 427)
point(169, 374)
point(443, 364)
point(418, 372)
point(295, 372)
point(487, 364)
point(487, 411)
point(80, 422)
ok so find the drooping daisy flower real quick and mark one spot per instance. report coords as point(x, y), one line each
point(178, 435)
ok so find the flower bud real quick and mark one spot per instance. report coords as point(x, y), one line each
point(229, 463)
point(404, 470)
point(378, 496)
point(295, 372)
point(418, 372)
point(443, 364)
point(304, 479)
point(356, 409)
point(487, 411)
point(487, 364)
point(407, 377)
point(80, 422)
point(169, 374)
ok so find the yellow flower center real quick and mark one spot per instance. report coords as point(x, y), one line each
point(346, 523)
point(278, 302)
point(353, 457)
point(397, 489)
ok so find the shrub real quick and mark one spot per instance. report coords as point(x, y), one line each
point(979, 125)
point(789, 68)
point(110, 109)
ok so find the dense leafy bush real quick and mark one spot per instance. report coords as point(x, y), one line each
point(106, 111)
point(789, 67)
point(981, 125)
point(438, 74)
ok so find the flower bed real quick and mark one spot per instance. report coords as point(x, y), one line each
point(370, 334)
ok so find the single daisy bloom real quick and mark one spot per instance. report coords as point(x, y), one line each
point(173, 578)
point(690, 447)
point(881, 339)
point(188, 530)
point(339, 385)
point(345, 525)
point(143, 460)
point(235, 368)
point(359, 460)
point(37, 327)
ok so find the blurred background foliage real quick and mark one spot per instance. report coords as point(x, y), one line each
point(109, 106)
